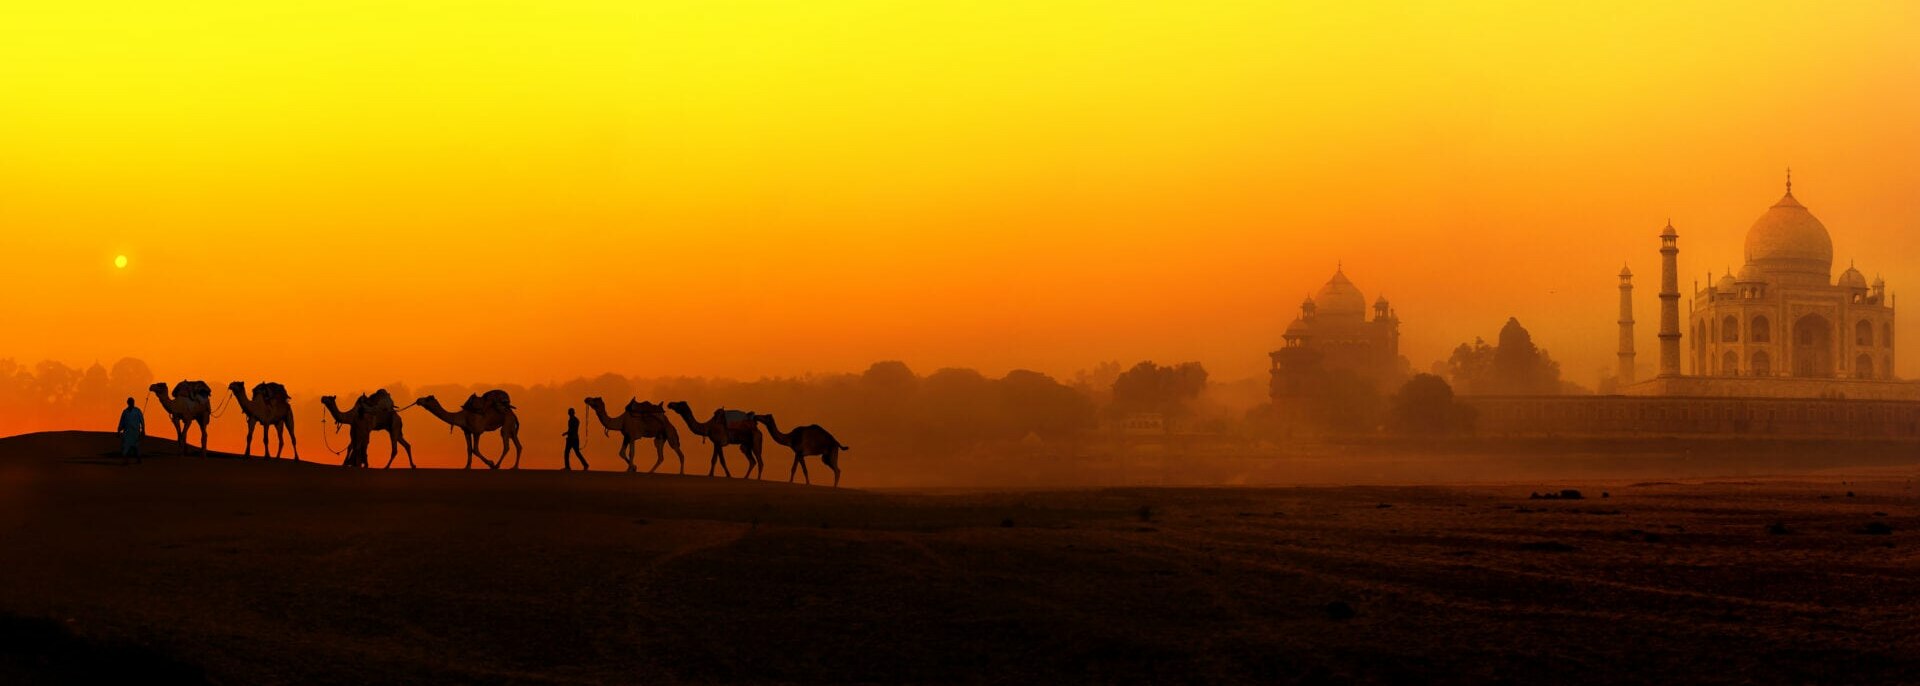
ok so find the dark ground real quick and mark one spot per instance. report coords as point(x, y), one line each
point(251, 572)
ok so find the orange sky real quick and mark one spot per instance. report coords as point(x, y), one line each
point(455, 191)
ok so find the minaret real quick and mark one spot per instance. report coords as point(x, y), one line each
point(1669, 301)
point(1625, 373)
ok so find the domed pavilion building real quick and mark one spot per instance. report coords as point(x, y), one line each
point(1333, 333)
point(1784, 315)
point(1781, 327)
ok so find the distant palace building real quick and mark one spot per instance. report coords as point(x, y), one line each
point(1333, 337)
point(1333, 334)
point(1779, 349)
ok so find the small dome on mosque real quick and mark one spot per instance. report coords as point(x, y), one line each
point(1340, 297)
point(1727, 284)
point(1298, 328)
point(1852, 278)
point(1624, 271)
point(1749, 274)
point(1879, 282)
point(1669, 232)
point(1787, 238)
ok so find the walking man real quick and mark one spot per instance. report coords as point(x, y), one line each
point(133, 425)
point(573, 443)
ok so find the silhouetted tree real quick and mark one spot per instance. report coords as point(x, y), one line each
point(1149, 387)
point(1035, 403)
point(1424, 406)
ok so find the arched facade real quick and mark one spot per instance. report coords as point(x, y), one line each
point(1827, 327)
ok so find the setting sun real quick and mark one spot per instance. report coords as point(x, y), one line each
point(120, 261)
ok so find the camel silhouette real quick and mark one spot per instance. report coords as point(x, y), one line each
point(807, 440)
point(724, 428)
point(272, 409)
point(190, 403)
point(641, 420)
point(477, 416)
point(370, 414)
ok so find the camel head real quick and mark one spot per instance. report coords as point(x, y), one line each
point(681, 407)
point(431, 403)
point(596, 403)
point(239, 388)
point(158, 388)
point(330, 401)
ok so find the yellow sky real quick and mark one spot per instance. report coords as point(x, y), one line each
point(453, 191)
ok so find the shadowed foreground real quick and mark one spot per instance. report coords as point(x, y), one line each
point(187, 569)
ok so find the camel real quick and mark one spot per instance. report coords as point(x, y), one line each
point(477, 416)
point(190, 403)
point(641, 420)
point(724, 428)
point(270, 407)
point(807, 440)
point(370, 414)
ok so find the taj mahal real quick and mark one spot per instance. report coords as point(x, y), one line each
point(1780, 327)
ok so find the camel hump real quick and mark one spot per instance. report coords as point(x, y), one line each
point(644, 407)
point(268, 391)
point(738, 419)
point(381, 402)
point(198, 390)
point(498, 397)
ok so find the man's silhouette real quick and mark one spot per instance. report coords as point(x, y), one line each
point(133, 425)
point(573, 443)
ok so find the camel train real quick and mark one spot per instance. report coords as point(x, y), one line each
point(270, 407)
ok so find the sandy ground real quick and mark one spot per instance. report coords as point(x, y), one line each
point(259, 572)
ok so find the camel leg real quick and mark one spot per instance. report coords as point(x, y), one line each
point(795, 469)
point(248, 451)
point(180, 427)
point(831, 458)
point(203, 438)
point(399, 440)
point(719, 456)
point(676, 451)
point(802, 459)
point(280, 438)
point(517, 449)
point(295, 439)
point(659, 454)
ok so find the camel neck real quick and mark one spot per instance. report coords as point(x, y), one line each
point(600, 410)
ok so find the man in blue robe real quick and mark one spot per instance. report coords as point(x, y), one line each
point(133, 425)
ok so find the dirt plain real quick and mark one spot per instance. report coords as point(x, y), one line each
point(223, 570)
